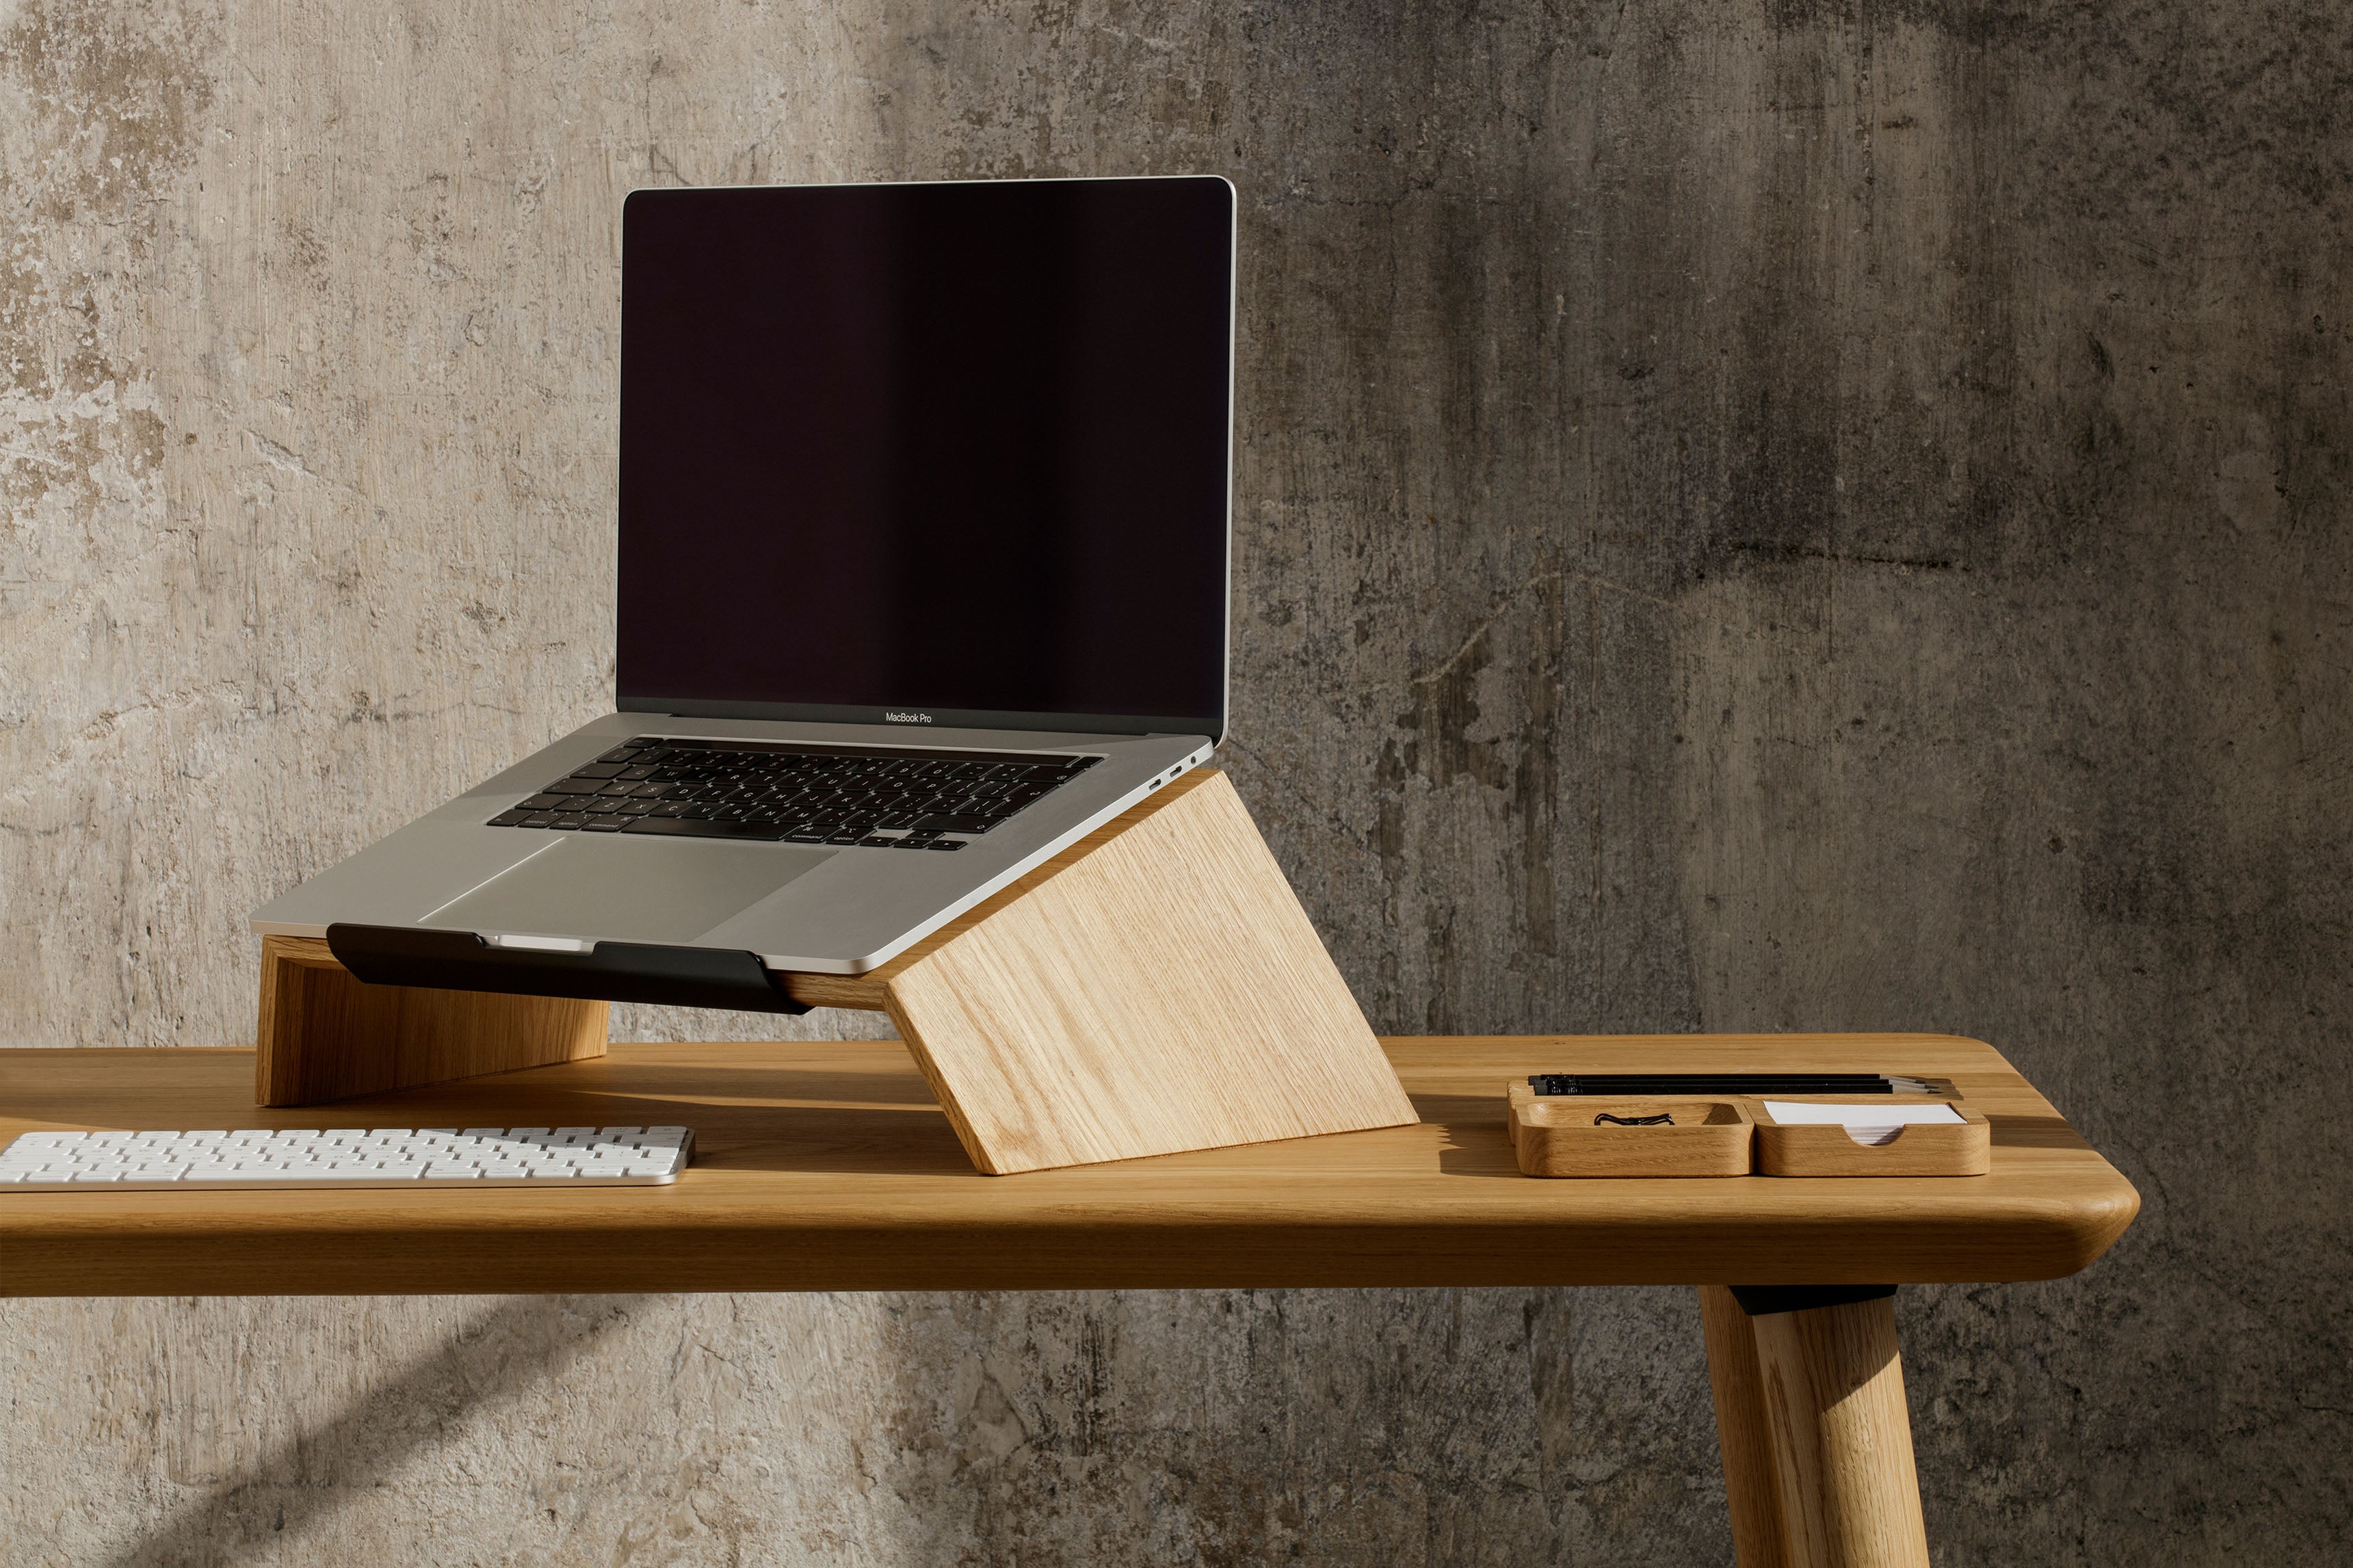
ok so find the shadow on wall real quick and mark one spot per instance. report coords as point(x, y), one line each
point(316, 1470)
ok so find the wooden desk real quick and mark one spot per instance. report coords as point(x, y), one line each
point(827, 1167)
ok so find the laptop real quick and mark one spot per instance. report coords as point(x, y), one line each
point(923, 527)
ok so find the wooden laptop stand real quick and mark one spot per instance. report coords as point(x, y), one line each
point(1155, 987)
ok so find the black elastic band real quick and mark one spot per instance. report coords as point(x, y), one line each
point(609, 972)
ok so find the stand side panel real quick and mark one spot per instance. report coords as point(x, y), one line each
point(325, 1035)
point(1165, 993)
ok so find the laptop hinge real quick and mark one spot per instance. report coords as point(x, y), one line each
point(608, 972)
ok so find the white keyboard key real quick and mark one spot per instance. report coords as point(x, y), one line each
point(278, 1158)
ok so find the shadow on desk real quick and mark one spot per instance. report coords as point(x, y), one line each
point(2035, 1133)
point(1470, 1128)
point(873, 1116)
point(832, 1122)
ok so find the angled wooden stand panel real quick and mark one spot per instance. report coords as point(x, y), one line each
point(1161, 991)
point(1154, 988)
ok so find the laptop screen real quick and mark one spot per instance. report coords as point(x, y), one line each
point(953, 450)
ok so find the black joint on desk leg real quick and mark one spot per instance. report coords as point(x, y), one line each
point(1764, 1301)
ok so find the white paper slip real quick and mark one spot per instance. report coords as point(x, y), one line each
point(1867, 1124)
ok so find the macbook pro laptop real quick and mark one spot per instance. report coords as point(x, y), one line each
point(922, 575)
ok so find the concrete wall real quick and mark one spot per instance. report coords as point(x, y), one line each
point(1752, 515)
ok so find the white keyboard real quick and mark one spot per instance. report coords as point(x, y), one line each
point(347, 1157)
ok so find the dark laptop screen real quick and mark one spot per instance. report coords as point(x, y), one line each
point(957, 449)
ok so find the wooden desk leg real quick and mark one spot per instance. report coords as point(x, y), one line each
point(1831, 1386)
point(1750, 1492)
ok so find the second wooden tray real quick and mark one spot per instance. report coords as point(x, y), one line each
point(1561, 1135)
point(1924, 1149)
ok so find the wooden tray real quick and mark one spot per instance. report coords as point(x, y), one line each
point(1923, 1149)
point(1555, 1135)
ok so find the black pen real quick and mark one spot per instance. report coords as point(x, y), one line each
point(1548, 1083)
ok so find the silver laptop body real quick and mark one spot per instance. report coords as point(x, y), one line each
point(923, 527)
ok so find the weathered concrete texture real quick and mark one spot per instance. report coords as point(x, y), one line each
point(1241, 1427)
point(1774, 515)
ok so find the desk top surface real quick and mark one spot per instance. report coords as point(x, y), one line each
point(827, 1166)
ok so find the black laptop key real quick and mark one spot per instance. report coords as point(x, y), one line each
point(604, 825)
point(509, 818)
point(944, 844)
point(572, 819)
point(597, 770)
point(691, 827)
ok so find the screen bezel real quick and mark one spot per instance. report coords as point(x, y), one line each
point(1212, 725)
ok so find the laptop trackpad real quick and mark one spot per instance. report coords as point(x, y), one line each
point(611, 887)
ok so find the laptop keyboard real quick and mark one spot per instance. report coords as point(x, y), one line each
point(794, 794)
